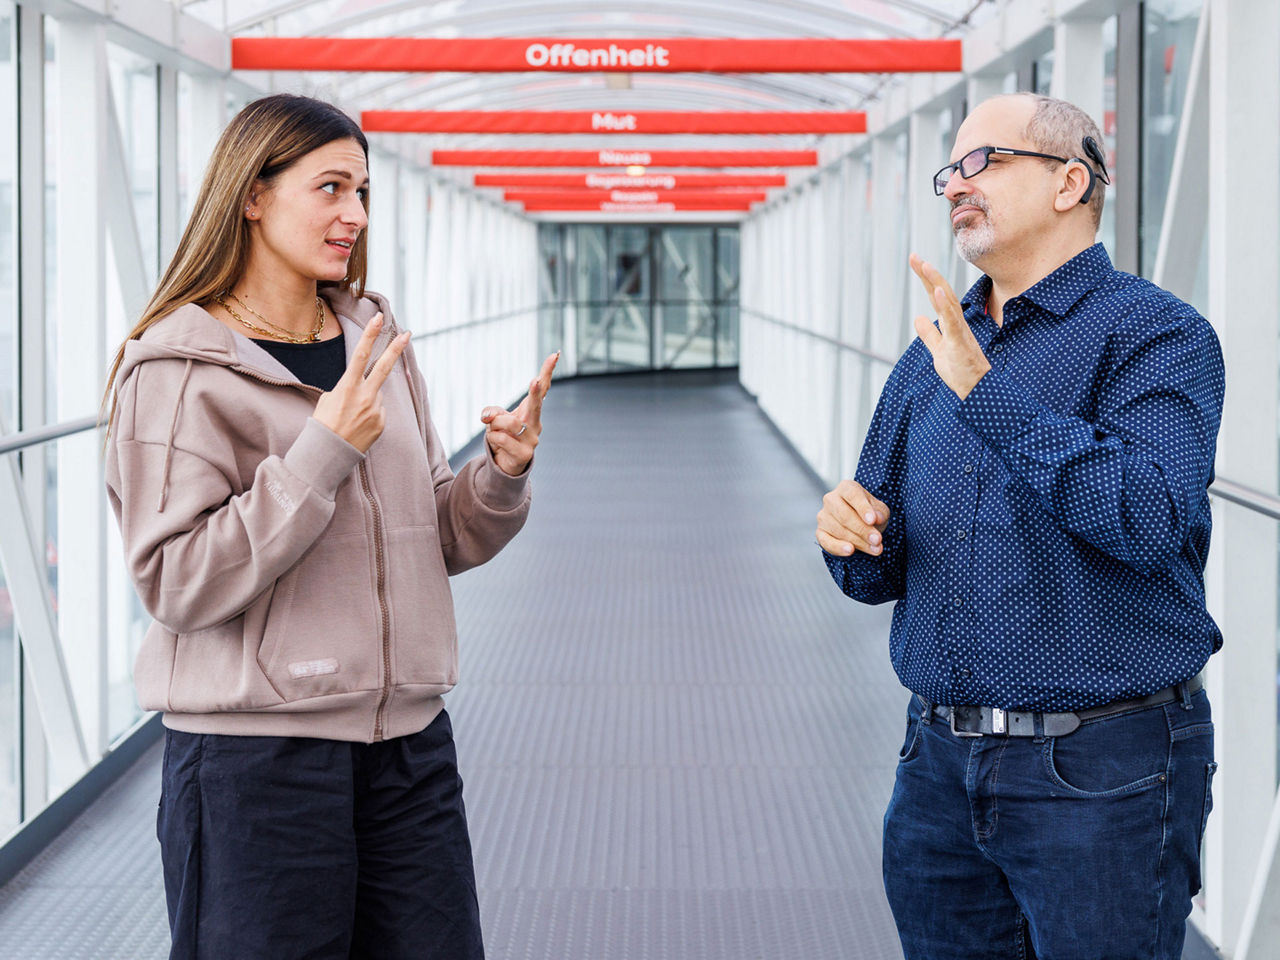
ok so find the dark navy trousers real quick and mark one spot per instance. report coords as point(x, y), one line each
point(286, 848)
point(1081, 847)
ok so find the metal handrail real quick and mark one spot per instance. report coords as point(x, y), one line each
point(30, 438)
point(833, 341)
point(1265, 503)
point(1258, 501)
point(480, 321)
point(21, 440)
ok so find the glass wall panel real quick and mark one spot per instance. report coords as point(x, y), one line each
point(1170, 35)
point(51, 101)
point(1107, 230)
point(1042, 73)
point(10, 729)
point(550, 291)
point(134, 91)
point(590, 292)
point(728, 282)
point(127, 624)
point(628, 316)
point(186, 188)
point(8, 207)
point(686, 293)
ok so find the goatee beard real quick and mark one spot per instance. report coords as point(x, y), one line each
point(973, 242)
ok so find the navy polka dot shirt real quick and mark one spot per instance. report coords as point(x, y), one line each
point(1048, 534)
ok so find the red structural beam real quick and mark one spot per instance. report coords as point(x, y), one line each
point(610, 207)
point(609, 121)
point(625, 158)
point(630, 181)
point(666, 55)
point(634, 196)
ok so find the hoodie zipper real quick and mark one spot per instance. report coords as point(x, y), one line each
point(379, 555)
point(382, 602)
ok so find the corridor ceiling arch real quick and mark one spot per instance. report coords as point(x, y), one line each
point(439, 70)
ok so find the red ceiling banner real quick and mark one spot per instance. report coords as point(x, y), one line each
point(634, 196)
point(625, 158)
point(537, 54)
point(547, 206)
point(609, 121)
point(629, 181)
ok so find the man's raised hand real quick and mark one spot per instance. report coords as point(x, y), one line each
point(957, 357)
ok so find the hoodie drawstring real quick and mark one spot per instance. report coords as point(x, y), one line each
point(168, 450)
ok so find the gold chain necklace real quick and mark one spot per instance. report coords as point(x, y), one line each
point(277, 332)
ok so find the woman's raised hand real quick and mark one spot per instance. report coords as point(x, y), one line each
point(353, 408)
point(513, 436)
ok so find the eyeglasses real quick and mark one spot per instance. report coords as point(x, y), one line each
point(975, 161)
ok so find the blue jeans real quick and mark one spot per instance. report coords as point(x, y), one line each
point(288, 848)
point(1081, 847)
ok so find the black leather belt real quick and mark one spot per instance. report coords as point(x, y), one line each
point(974, 721)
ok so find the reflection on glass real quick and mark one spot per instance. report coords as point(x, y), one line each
point(1170, 28)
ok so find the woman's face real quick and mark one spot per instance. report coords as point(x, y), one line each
point(308, 220)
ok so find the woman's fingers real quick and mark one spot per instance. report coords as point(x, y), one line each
point(363, 351)
point(382, 369)
point(508, 423)
point(538, 390)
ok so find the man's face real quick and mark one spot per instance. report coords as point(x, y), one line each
point(1008, 203)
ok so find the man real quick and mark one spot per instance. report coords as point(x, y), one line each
point(1032, 492)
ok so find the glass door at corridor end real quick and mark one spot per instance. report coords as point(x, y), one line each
point(624, 297)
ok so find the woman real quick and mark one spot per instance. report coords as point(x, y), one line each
point(290, 521)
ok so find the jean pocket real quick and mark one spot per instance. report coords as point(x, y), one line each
point(910, 743)
point(1210, 769)
point(1110, 758)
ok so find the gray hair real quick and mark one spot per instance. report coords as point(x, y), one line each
point(1059, 127)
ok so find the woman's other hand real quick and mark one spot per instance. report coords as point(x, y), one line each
point(513, 436)
point(353, 408)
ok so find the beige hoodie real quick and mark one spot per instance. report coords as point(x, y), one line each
point(299, 588)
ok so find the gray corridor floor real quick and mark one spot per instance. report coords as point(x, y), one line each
point(677, 737)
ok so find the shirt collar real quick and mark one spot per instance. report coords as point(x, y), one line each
point(1059, 291)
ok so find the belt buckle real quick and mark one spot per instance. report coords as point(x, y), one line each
point(964, 733)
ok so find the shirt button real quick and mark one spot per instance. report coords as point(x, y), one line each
point(996, 347)
point(959, 600)
point(966, 672)
point(968, 468)
point(961, 534)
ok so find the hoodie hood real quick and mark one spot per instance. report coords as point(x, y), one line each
point(192, 333)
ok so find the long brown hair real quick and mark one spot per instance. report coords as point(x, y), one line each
point(263, 140)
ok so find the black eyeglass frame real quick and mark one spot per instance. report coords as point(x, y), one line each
point(943, 176)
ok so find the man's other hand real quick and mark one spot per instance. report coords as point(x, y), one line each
point(851, 519)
